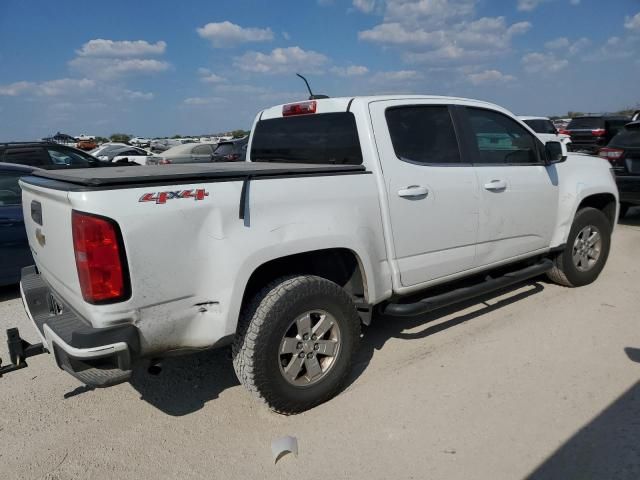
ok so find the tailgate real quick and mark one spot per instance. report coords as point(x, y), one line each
point(47, 218)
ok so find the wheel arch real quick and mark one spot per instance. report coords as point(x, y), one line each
point(605, 202)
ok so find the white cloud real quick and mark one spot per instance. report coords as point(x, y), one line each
point(15, 89)
point(632, 23)
point(226, 34)
point(615, 48)
point(50, 88)
point(109, 48)
point(574, 2)
point(562, 42)
point(579, 45)
point(282, 60)
point(396, 76)
point(107, 68)
point(286, 36)
point(529, 5)
point(199, 101)
point(451, 40)
point(135, 95)
point(207, 76)
point(543, 63)
point(365, 6)
point(490, 77)
point(350, 71)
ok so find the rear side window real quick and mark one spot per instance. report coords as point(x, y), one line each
point(202, 150)
point(9, 189)
point(616, 125)
point(586, 123)
point(224, 149)
point(423, 134)
point(500, 139)
point(628, 138)
point(315, 138)
point(35, 156)
point(541, 126)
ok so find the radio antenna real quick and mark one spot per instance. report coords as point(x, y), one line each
point(311, 95)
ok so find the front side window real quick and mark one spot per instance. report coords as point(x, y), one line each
point(68, 157)
point(423, 134)
point(500, 139)
point(9, 189)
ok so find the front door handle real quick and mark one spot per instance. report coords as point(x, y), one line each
point(413, 191)
point(495, 185)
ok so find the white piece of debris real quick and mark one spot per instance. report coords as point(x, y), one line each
point(281, 446)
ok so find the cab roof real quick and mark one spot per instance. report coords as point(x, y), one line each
point(343, 104)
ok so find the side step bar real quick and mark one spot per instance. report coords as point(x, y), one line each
point(435, 302)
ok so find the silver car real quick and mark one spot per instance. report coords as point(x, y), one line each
point(187, 153)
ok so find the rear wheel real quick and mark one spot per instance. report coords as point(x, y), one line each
point(296, 342)
point(586, 252)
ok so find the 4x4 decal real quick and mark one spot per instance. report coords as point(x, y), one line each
point(162, 197)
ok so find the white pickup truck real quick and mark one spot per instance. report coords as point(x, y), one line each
point(347, 207)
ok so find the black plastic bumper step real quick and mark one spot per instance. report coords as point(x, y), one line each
point(435, 302)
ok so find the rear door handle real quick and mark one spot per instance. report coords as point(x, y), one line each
point(495, 185)
point(413, 191)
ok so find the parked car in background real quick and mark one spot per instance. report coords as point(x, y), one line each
point(545, 129)
point(47, 155)
point(86, 144)
point(105, 151)
point(591, 132)
point(162, 145)
point(623, 152)
point(140, 142)
point(131, 154)
point(187, 153)
point(14, 246)
point(232, 151)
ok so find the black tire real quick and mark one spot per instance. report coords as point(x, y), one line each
point(564, 271)
point(624, 209)
point(265, 321)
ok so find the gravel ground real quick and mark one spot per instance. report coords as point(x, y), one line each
point(539, 382)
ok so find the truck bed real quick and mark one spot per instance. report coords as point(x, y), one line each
point(119, 177)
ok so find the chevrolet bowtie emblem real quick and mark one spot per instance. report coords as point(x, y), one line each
point(42, 240)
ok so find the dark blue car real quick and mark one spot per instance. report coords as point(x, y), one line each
point(14, 248)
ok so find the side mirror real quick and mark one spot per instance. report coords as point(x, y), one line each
point(554, 152)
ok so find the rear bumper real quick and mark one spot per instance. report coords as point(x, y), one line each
point(629, 188)
point(99, 357)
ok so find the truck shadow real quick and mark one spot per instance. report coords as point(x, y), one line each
point(632, 218)
point(606, 447)
point(9, 292)
point(188, 382)
point(384, 328)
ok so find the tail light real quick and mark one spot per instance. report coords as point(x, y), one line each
point(164, 161)
point(100, 259)
point(611, 154)
point(598, 132)
point(564, 131)
point(302, 108)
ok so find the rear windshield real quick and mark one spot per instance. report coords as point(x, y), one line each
point(587, 123)
point(541, 126)
point(628, 138)
point(315, 138)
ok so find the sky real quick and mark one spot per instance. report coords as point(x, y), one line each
point(199, 67)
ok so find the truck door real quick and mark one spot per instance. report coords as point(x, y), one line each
point(519, 192)
point(433, 196)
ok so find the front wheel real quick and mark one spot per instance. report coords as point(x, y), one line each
point(586, 251)
point(296, 342)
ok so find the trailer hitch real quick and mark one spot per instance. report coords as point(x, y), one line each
point(19, 351)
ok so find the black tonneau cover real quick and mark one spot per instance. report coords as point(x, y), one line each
point(189, 173)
